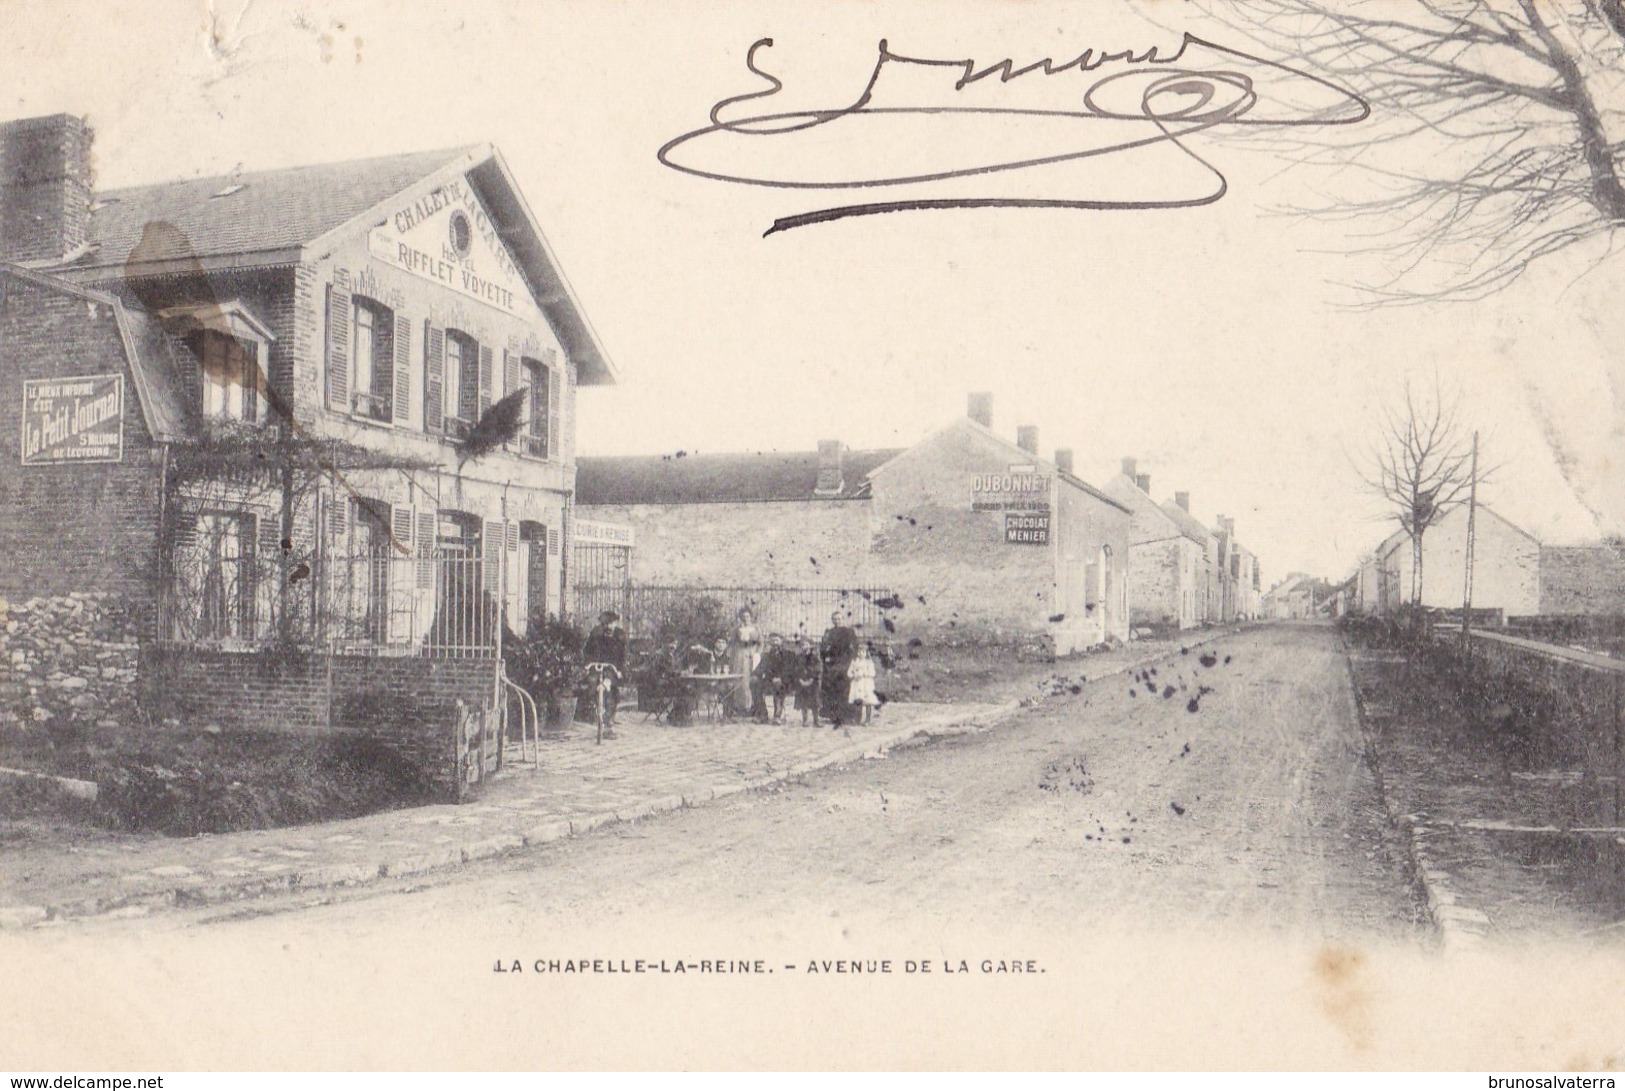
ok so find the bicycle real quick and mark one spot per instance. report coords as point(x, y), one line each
point(603, 687)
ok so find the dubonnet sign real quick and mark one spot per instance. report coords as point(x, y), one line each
point(1013, 491)
point(78, 419)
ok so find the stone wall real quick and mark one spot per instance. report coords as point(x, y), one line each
point(67, 661)
point(1582, 580)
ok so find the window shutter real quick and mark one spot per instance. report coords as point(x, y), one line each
point(400, 528)
point(510, 383)
point(567, 442)
point(512, 540)
point(338, 518)
point(338, 343)
point(270, 533)
point(424, 546)
point(553, 541)
point(185, 534)
point(491, 550)
point(434, 372)
point(403, 369)
point(468, 383)
point(487, 378)
point(510, 372)
point(554, 434)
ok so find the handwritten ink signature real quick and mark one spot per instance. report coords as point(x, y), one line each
point(1142, 101)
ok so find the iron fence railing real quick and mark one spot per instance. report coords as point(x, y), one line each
point(791, 611)
point(383, 604)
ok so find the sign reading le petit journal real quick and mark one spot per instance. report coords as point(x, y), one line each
point(78, 419)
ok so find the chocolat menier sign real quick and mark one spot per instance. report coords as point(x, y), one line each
point(78, 419)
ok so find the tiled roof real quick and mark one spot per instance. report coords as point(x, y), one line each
point(1189, 525)
point(272, 210)
point(716, 478)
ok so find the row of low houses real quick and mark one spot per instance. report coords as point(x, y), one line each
point(967, 533)
point(1512, 571)
point(1184, 573)
point(250, 413)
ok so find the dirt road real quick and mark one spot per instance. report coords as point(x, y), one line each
point(1225, 787)
point(1193, 880)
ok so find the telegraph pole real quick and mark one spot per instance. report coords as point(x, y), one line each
point(1472, 517)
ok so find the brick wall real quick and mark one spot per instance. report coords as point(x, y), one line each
point(44, 186)
point(408, 702)
point(1582, 580)
point(88, 527)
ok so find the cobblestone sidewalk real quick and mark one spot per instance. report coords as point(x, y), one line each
point(577, 786)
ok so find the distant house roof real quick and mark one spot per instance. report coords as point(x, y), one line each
point(749, 477)
point(1189, 525)
point(258, 218)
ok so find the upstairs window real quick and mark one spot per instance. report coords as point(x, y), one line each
point(534, 439)
point(373, 349)
point(462, 382)
point(233, 380)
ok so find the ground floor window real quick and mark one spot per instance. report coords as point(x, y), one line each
point(220, 569)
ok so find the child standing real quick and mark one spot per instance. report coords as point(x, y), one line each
point(808, 678)
point(861, 675)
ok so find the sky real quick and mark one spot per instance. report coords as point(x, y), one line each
point(1214, 344)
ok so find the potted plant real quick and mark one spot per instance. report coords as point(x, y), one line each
point(546, 662)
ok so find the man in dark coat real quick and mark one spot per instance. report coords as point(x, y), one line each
point(776, 675)
point(836, 651)
point(607, 644)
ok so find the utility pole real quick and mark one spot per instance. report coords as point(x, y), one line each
point(1472, 518)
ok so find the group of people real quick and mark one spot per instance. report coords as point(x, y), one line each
point(834, 681)
point(831, 682)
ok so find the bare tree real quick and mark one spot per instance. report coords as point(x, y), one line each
point(1495, 139)
point(1421, 465)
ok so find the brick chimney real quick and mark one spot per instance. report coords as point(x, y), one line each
point(830, 479)
point(1129, 466)
point(44, 187)
point(1027, 438)
point(1183, 499)
point(979, 408)
point(1144, 482)
point(1063, 459)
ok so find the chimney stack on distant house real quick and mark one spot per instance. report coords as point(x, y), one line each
point(979, 408)
point(44, 187)
point(830, 479)
point(1128, 468)
point(1228, 525)
point(1183, 499)
point(1143, 481)
point(1027, 438)
point(1063, 459)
